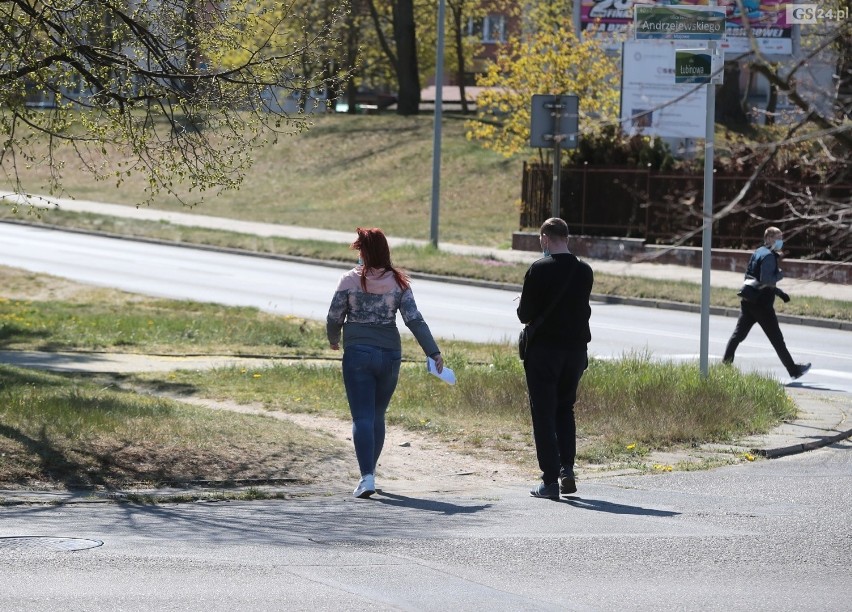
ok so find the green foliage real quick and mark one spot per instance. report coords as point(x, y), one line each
point(611, 147)
point(128, 93)
point(549, 61)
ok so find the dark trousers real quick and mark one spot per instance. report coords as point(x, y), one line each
point(763, 315)
point(553, 375)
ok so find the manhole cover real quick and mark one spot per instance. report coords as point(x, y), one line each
point(47, 543)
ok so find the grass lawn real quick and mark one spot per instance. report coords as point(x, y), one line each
point(66, 430)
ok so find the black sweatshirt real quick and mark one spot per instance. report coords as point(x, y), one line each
point(567, 325)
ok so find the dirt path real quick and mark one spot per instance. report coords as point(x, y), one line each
point(411, 462)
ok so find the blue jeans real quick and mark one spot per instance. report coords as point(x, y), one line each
point(370, 375)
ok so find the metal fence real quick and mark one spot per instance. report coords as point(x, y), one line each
point(666, 207)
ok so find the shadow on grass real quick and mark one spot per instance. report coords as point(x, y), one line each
point(9, 334)
point(164, 387)
point(122, 465)
point(12, 376)
point(54, 465)
point(101, 469)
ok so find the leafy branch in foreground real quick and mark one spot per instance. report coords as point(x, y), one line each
point(181, 91)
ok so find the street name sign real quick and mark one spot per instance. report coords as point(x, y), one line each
point(697, 66)
point(691, 23)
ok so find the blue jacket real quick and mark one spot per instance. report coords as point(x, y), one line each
point(763, 266)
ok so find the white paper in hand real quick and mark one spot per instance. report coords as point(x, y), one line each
point(447, 375)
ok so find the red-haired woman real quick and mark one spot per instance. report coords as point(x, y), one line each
point(364, 307)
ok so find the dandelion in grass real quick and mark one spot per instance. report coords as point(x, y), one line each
point(748, 457)
point(631, 447)
point(256, 375)
point(663, 468)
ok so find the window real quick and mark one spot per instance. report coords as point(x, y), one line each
point(489, 29)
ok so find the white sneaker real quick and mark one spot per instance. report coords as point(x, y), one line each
point(366, 486)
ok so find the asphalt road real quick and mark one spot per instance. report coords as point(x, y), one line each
point(772, 535)
point(452, 310)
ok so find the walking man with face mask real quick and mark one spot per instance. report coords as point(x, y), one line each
point(763, 267)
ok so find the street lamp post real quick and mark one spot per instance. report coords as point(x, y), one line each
point(436, 139)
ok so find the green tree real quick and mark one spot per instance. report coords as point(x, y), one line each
point(463, 47)
point(550, 61)
point(178, 90)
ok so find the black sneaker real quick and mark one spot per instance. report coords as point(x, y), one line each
point(567, 485)
point(550, 491)
point(801, 370)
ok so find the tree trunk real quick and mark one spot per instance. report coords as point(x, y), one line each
point(459, 45)
point(352, 41)
point(408, 77)
point(844, 72)
point(729, 108)
point(772, 104)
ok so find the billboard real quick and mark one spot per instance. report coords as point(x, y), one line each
point(612, 20)
point(651, 102)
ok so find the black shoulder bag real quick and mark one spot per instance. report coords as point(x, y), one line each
point(527, 333)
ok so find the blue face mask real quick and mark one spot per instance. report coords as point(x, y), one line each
point(546, 252)
point(360, 262)
point(778, 244)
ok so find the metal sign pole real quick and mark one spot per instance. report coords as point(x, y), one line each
point(557, 157)
point(707, 228)
point(436, 133)
point(557, 178)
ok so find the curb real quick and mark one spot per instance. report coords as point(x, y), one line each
point(795, 449)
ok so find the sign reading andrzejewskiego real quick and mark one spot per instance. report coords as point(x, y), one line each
point(670, 22)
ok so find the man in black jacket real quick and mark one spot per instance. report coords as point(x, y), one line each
point(557, 354)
